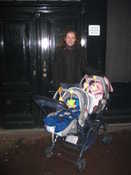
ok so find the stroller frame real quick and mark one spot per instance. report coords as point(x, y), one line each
point(84, 135)
point(92, 126)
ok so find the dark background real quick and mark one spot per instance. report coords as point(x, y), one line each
point(26, 64)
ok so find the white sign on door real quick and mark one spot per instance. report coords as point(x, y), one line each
point(94, 30)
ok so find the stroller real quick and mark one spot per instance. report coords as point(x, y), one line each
point(79, 116)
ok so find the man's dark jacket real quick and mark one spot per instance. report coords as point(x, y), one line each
point(69, 64)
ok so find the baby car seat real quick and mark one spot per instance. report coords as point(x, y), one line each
point(64, 121)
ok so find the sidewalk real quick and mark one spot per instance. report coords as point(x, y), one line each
point(111, 128)
point(22, 152)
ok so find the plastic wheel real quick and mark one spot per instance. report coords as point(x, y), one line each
point(107, 139)
point(48, 152)
point(81, 164)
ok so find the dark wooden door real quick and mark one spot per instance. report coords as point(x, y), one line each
point(17, 76)
point(51, 31)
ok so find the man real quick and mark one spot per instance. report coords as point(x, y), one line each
point(69, 63)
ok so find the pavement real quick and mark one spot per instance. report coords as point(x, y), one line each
point(22, 152)
point(111, 128)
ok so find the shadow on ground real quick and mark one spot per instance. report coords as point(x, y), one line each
point(23, 154)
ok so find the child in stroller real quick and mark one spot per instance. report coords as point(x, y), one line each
point(78, 117)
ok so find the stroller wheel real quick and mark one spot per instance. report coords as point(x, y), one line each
point(107, 139)
point(81, 164)
point(48, 152)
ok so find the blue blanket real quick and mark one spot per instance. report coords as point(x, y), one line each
point(61, 119)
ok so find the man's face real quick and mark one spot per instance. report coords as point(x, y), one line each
point(70, 39)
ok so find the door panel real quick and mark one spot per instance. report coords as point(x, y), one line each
point(17, 73)
point(15, 52)
point(52, 30)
